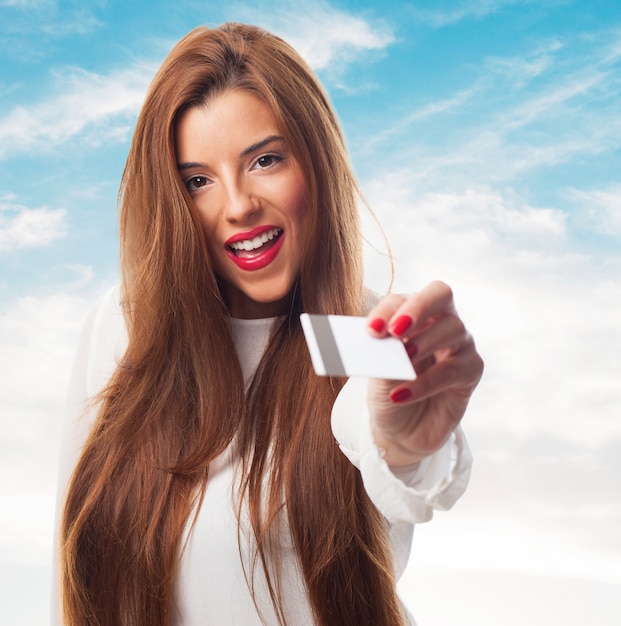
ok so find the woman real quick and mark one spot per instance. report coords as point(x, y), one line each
point(208, 487)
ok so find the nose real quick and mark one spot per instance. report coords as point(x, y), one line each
point(240, 204)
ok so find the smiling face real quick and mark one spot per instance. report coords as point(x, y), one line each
point(251, 197)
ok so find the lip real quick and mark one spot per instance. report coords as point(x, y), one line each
point(249, 234)
point(257, 261)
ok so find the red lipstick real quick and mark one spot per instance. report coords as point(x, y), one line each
point(256, 248)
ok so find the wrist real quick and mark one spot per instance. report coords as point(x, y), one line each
point(395, 454)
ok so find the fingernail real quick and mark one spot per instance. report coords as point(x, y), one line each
point(401, 395)
point(401, 324)
point(377, 325)
point(411, 349)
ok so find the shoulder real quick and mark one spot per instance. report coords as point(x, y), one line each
point(104, 339)
point(102, 343)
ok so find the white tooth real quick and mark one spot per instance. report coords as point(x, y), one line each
point(257, 242)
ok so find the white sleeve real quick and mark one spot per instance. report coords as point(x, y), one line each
point(402, 496)
point(102, 343)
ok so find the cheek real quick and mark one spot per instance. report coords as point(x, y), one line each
point(205, 217)
point(298, 207)
point(303, 244)
point(208, 225)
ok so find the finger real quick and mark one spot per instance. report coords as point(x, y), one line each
point(457, 374)
point(377, 319)
point(414, 311)
point(447, 334)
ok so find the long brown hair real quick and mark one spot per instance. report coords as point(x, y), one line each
point(171, 407)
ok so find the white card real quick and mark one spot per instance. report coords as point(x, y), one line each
point(340, 345)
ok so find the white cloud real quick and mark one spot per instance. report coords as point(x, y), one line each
point(441, 106)
point(29, 4)
point(325, 36)
point(553, 98)
point(21, 227)
point(84, 276)
point(601, 208)
point(447, 596)
point(489, 155)
point(445, 14)
point(482, 545)
point(613, 52)
point(38, 336)
point(81, 22)
point(521, 135)
point(425, 112)
point(442, 15)
point(513, 116)
point(44, 18)
point(519, 71)
point(85, 102)
point(490, 209)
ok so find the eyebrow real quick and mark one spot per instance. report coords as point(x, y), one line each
point(261, 144)
point(249, 150)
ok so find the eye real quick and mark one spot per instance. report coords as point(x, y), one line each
point(196, 182)
point(267, 160)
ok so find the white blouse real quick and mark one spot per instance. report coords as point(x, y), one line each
point(212, 587)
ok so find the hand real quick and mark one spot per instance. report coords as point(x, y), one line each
point(412, 420)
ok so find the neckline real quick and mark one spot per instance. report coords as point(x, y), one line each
point(255, 321)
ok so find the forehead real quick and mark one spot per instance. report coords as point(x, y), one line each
point(226, 118)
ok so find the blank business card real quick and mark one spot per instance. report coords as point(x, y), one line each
point(340, 345)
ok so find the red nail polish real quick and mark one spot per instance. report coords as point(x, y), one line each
point(377, 325)
point(401, 395)
point(401, 324)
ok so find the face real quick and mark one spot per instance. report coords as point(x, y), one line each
point(251, 197)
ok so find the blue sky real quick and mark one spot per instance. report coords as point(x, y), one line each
point(486, 135)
